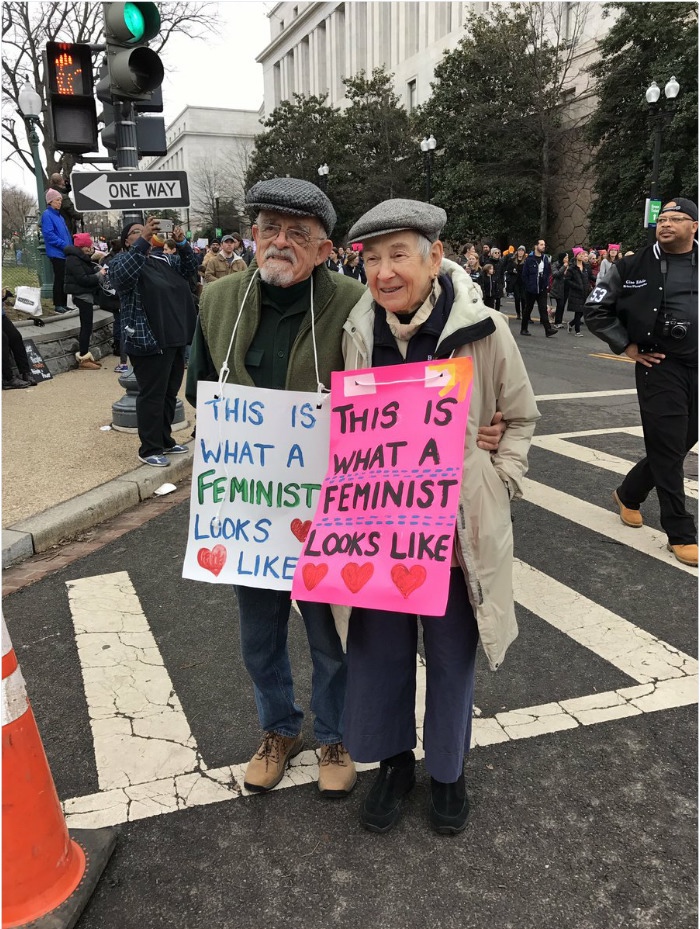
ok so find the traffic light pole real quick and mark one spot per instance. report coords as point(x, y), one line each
point(127, 150)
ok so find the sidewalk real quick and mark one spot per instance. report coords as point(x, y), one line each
point(61, 474)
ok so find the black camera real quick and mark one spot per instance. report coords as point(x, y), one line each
point(676, 329)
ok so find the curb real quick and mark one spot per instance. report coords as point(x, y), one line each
point(63, 522)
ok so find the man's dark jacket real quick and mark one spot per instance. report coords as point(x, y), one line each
point(623, 308)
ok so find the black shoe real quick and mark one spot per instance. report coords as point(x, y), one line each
point(550, 332)
point(39, 322)
point(14, 383)
point(525, 332)
point(28, 379)
point(449, 806)
point(382, 806)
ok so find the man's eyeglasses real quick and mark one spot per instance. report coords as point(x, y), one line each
point(674, 220)
point(298, 236)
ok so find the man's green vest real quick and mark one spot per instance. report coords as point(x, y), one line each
point(334, 295)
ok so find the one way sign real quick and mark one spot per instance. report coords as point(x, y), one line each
point(129, 190)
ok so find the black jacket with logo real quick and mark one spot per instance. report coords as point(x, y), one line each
point(623, 308)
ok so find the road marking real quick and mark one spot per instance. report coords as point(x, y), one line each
point(605, 522)
point(592, 456)
point(138, 725)
point(666, 678)
point(588, 395)
point(612, 357)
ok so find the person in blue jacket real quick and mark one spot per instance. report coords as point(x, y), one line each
point(536, 275)
point(56, 237)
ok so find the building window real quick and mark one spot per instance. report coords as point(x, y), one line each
point(321, 58)
point(385, 32)
point(412, 95)
point(443, 19)
point(411, 28)
point(305, 69)
point(295, 12)
point(340, 51)
point(360, 27)
point(277, 83)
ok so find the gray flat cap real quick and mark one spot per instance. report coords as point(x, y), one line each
point(294, 196)
point(395, 215)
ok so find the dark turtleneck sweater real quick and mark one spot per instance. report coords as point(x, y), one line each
point(281, 312)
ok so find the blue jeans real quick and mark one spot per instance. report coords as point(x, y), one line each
point(264, 616)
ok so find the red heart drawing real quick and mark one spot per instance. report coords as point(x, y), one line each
point(313, 574)
point(213, 560)
point(356, 576)
point(300, 529)
point(408, 581)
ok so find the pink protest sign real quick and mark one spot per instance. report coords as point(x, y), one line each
point(383, 531)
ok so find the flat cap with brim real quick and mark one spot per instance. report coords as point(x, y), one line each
point(293, 196)
point(396, 215)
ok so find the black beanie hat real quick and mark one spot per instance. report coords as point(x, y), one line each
point(126, 230)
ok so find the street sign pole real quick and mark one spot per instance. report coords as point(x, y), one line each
point(127, 151)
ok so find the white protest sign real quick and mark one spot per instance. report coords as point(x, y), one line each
point(260, 459)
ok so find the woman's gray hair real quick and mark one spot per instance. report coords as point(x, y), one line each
point(424, 246)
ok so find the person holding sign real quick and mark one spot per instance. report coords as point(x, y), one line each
point(422, 307)
point(279, 325)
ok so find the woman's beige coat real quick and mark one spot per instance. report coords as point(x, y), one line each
point(490, 480)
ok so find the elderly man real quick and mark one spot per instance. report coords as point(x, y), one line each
point(647, 308)
point(286, 284)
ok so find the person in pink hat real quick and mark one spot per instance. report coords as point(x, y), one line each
point(83, 281)
point(613, 255)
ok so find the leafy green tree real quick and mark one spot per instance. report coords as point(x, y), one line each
point(496, 110)
point(367, 146)
point(649, 41)
point(378, 154)
point(298, 138)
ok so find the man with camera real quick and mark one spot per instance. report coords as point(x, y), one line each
point(647, 307)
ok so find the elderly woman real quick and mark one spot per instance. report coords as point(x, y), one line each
point(420, 306)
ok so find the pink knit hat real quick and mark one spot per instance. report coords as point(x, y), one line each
point(82, 240)
point(577, 251)
point(617, 247)
point(53, 194)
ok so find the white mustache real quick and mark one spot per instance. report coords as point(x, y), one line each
point(286, 254)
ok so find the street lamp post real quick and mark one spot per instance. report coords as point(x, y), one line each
point(29, 106)
point(218, 214)
point(660, 121)
point(428, 146)
point(323, 172)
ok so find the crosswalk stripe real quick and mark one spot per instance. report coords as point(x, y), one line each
point(605, 522)
point(139, 728)
point(596, 458)
point(588, 395)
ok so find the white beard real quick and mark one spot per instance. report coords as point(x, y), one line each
point(279, 275)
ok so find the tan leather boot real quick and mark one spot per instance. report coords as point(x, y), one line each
point(336, 771)
point(87, 362)
point(267, 766)
point(686, 554)
point(632, 518)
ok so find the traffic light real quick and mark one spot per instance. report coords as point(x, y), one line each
point(108, 133)
point(72, 112)
point(134, 70)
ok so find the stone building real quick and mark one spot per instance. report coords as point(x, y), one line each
point(213, 145)
point(314, 45)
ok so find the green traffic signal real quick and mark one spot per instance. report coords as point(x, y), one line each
point(134, 21)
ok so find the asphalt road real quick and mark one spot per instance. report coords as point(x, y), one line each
point(581, 819)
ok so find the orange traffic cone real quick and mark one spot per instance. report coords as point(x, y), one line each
point(47, 874)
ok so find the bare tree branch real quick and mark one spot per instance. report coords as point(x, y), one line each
point(27, 27)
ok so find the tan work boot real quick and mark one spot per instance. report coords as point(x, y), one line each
point(87, 362)
point(686, 554)
point(267, 766)
point(632, 518)
point(336, 771)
